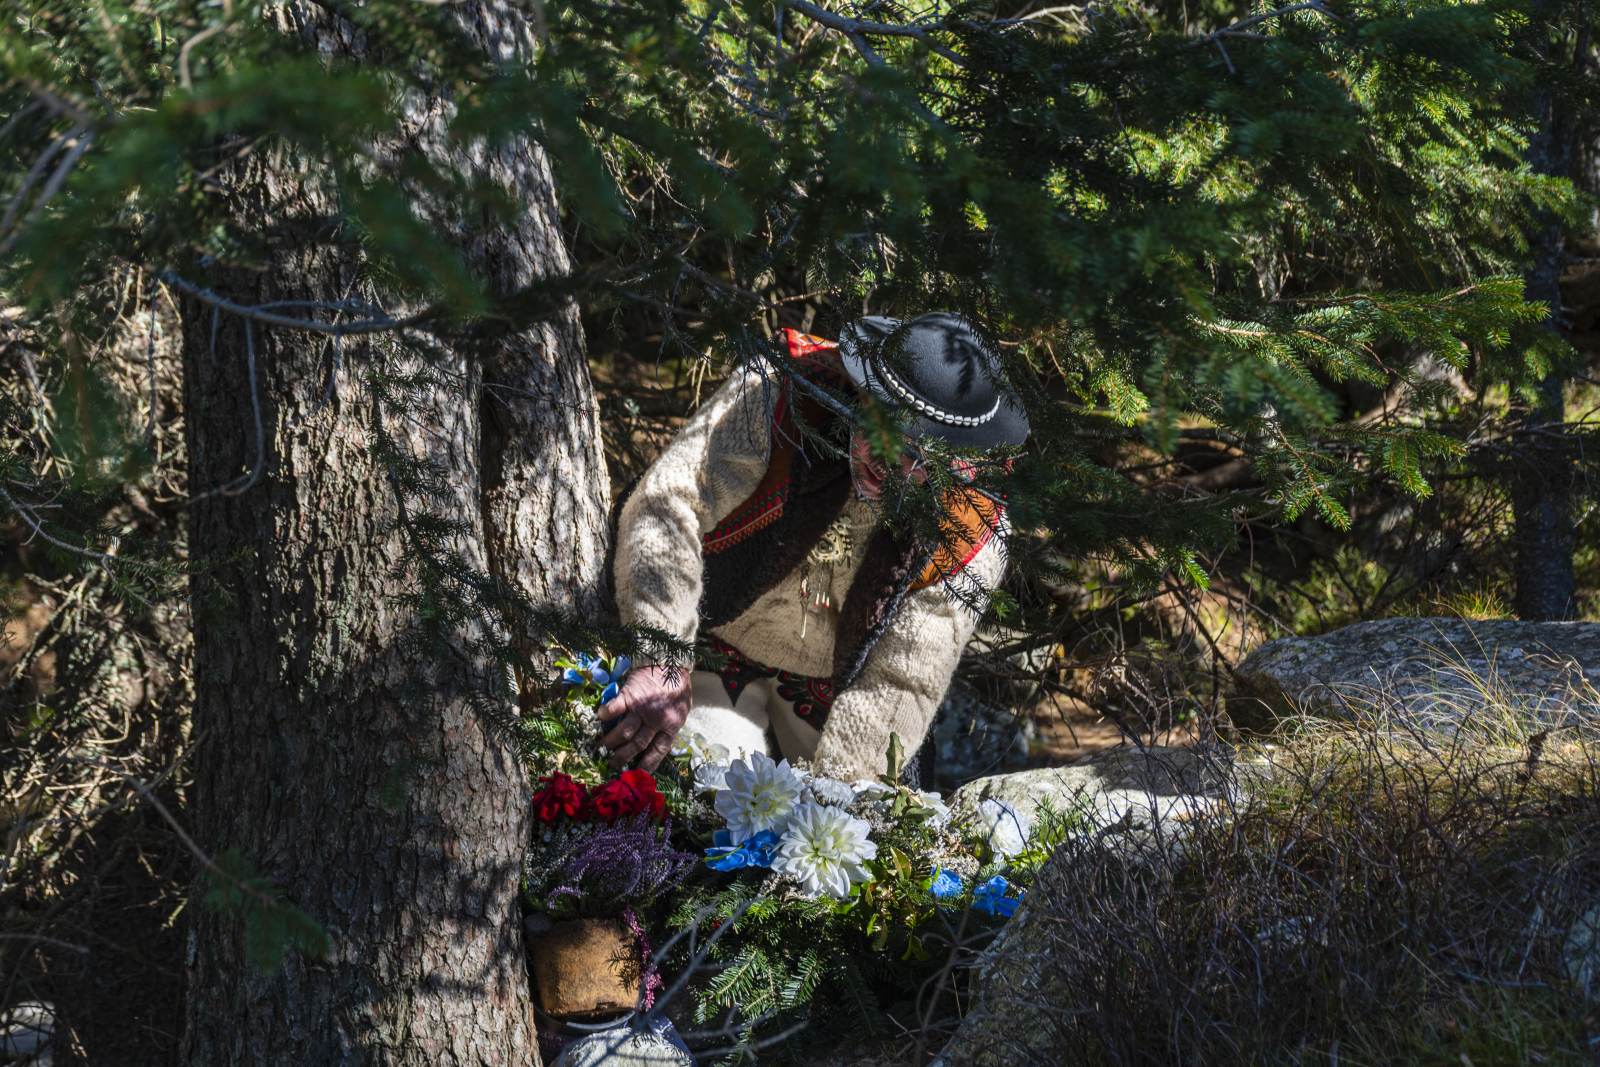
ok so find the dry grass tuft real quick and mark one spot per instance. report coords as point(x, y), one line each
point(1378, 894)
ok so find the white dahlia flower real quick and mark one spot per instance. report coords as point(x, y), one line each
point(1003, 828)
point(829, 791)
point(758, 795)
point(825, 850)
point(710, 777)
point(707, 758)
point(941, 811)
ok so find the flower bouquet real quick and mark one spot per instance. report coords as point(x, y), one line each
point(601, 855)
point(826, 886)
point(821, 837)
point(833, 891)
point(565, 734)
point(874, 858)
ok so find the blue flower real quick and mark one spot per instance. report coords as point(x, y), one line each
point(619, 667)
point(727, 858)
point(592, 670)
point(757, 851)
point(945, 885)
point(990, 898)
point(763, 847)
point(595, 668)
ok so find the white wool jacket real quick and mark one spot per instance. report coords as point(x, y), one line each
point(710, 468)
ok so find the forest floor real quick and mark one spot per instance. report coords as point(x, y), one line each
point(1077, 732)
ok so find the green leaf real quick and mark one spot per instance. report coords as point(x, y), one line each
point(895, 759)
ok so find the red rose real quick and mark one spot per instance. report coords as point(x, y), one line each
point(646, 797)
point(561, 795)
point(630, 793)
point(609, 801)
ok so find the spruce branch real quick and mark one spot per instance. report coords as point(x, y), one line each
point(34, 523)
point(74, 144)
point(856, 31)
point(1238, 28)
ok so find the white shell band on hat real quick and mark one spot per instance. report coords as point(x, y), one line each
point(881, 372)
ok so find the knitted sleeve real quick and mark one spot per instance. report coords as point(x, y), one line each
point(908, 671)
point(710, 468)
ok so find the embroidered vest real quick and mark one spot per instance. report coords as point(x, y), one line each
point(770, 533)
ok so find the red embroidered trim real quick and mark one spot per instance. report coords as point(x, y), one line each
point(746, 521)
point(754, 516)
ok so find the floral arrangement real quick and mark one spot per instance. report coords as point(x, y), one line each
point(830, 886)
point(836, 891)
point(565, 734)
point(601, 850)
point(855, 843)
point(808, 829)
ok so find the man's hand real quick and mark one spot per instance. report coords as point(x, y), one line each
point(646, 715)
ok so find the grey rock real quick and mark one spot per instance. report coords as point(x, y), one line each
point(1428, 673)
point(1142, 785)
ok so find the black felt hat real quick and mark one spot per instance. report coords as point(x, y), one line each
point(940, 372)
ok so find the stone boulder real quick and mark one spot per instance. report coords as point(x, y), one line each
point(1140, 807)
point(1427, 673)
point(26, 1030)
point(1143, 785)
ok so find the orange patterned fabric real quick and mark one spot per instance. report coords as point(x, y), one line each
point(974, 520)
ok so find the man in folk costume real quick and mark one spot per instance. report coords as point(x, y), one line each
point(829, 633)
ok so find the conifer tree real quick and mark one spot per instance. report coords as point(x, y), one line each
point(1176, 222)
point(1543, 472)
point(386, 509)
point(345, 689)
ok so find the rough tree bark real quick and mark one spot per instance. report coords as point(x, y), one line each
point(352, 774)
point(1543, 475)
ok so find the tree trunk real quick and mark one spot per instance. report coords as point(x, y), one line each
point(352, 772)
point(1541, 500)
point(1543, 473)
